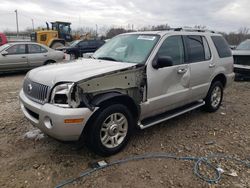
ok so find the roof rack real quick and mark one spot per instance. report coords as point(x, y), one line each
point(192, 30)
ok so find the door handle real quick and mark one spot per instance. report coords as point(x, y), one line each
point(45, 55)
point(182, 71)
point(211, 65)
point(23, 57)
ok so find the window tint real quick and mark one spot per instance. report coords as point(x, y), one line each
point(92, 43)
point(173, 47)
point(33, 48)
point(222, 46)
point(17, 49)
point(83, 44)
point(43, 50)
point(196, 50)
point(206, 48)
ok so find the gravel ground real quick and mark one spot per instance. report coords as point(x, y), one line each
point(44, 162)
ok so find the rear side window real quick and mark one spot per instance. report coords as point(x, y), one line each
point(33, 49)
point(1, 39)
point(222, 46)
point(196, 50)
point(83, 44)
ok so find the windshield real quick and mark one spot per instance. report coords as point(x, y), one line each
point(4, 47)
point(74, 43)
point(131, 48)
point(245, 45)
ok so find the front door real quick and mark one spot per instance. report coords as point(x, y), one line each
point(15, 59)
point(168, 87)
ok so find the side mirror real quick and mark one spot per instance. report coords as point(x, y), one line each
point(163, 61)
point(4, 53)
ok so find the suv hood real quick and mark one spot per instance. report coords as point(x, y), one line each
point(74, 71)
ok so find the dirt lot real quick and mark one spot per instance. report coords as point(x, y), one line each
point(44, 162)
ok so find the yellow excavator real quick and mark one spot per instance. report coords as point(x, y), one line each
point(56, 36)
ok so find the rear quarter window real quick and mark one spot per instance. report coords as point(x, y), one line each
point(222, 46)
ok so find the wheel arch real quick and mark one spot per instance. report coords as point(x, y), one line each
point(49, 61)
point(52, 42)
point(103, 100)
point(220, 77)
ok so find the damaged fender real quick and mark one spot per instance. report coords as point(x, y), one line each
point(127, 82)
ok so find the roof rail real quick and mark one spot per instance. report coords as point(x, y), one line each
point(192, 30)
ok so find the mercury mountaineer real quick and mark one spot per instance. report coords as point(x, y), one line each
point(135, 80)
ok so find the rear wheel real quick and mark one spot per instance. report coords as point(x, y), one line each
point(49, 62)
point(56, 45)
point(214, 97)
point(72, 56)
point(111, 129)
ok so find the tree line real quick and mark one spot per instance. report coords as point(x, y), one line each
point(233, 38)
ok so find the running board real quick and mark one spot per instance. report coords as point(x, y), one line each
point(169, 115)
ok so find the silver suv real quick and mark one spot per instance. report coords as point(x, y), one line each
point(135, 80)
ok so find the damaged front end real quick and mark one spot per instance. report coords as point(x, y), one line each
point(130, 82)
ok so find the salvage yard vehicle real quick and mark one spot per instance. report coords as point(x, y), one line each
point(242, 60)
point(79, 47)
point(56, 36)
point(135, 80)
point(3, 39)
point(27, 55)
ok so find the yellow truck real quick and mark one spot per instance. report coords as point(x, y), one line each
point(56, 36)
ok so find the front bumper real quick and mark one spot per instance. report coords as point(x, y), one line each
point(50, 118)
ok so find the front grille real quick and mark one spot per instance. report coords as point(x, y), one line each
point(242, 60)
point(35, 91)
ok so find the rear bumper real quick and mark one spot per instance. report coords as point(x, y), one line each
point(50, 118)
point(243, 70)
point(230, 79)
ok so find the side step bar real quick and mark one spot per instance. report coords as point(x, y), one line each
point(169, 115)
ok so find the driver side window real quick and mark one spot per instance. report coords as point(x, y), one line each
point(173, 47)
point(16, 49)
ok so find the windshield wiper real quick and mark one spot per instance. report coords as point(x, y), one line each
point(107, 58)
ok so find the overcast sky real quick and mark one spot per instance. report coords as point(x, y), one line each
point(219, 15)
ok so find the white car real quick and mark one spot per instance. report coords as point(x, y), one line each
point(27, 55)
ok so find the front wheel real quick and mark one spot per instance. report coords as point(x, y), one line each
point(110, 130)
point(214, 97)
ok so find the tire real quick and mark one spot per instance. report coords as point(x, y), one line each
point(214, 97)
point(56, 45)
point(106, 136)
point(49, 62)
point(72, 56)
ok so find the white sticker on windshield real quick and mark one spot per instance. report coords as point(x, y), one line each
point(146, 37)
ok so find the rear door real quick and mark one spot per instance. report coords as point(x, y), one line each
point(202, 65)
point(93, 45)
point(83, 47)
point(37, 55)
point(16, 58)
point(168, 87)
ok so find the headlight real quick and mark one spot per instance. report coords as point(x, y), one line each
point(66, 95)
